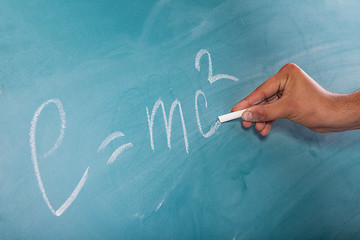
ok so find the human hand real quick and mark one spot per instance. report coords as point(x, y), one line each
point(294, 95)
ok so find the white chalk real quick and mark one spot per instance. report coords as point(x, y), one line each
point(34, 157)
point(231, 116)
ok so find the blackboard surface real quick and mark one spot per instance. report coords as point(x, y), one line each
point(107, 121)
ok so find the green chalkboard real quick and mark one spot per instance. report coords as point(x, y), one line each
point(108, 111)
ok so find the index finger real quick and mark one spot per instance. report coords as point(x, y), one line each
point(266, 90)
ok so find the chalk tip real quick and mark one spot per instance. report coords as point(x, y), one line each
point(221, 119)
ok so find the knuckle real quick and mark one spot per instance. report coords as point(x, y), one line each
point(290, 67)
point(262, 115)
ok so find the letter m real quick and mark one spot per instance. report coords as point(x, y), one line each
point(167, 122)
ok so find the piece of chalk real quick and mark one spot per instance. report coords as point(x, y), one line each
point(231, 116)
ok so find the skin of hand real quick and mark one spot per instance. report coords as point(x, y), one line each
point(294, 95)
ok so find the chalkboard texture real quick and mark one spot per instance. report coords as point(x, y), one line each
point(108, 111)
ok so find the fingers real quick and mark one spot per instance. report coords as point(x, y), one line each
point(247, 124)
point(265, 131)
point(260, 126)
point(266, 112)
point(263, 127)
point(265, 104)
point(266, 90)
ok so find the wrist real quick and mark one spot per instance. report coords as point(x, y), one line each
point(345, 110)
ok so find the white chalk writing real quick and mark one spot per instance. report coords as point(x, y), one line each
point(32, 134)
point(211, 78)
point(167, 122)
point(115, 135)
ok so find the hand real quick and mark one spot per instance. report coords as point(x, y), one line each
point(294, 95)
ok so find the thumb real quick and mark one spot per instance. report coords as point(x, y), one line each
point(265, 113)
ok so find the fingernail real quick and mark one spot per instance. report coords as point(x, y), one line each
point(247, 116)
